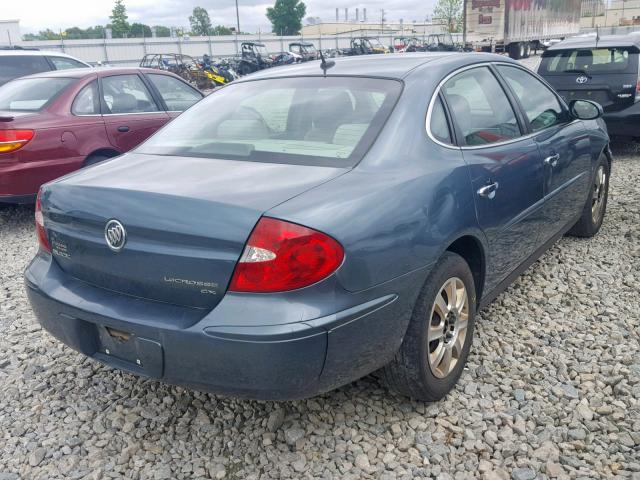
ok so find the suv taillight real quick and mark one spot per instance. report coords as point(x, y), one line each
point(12, 140)
point(281, 256)
point(43, 241)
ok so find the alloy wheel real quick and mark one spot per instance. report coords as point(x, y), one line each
point(598, 194)
point(447, 330)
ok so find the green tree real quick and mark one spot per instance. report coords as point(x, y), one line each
point(200, 22)
point(162, 31)
point(221, 30)
point(286, 16)
point(449, 12)
point(119, 25)
point(95, 32)
point(140, 30)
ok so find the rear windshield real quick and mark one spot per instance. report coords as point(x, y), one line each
point(590, 61)
point(31, 94)
point(14, 66)
point(306, 120)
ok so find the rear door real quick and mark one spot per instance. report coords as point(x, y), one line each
point(131, 113)
point(505, 168)
point(607, 75)
point(564, 144)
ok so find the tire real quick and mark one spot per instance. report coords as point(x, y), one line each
point(527, 50)
point(595, 207)
point(516, 50)
point(93, 159)
point(415, 371)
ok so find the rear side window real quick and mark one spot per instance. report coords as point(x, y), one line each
point(541, 106)
point(86, 102)
point(480, 108)
point(590, 61)
point(439, 126)
point(14, 66)
point(63, 63)
point(31, 94)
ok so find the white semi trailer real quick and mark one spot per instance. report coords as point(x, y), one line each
point(518, 26)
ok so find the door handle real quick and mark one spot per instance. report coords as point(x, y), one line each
point(552, 160)
point(489, 191)
point(123, 129)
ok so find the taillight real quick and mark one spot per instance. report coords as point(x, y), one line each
point(281, 256)
point(12, 140)
point(40, 231)
point(638, 90)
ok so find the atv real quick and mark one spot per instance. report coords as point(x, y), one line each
point(365, 46)
point(306, 50)
point(254, 57)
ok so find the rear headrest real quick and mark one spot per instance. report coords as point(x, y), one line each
point(331, 108)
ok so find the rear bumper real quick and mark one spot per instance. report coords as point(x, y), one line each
point(20, 180)
point(269, 362)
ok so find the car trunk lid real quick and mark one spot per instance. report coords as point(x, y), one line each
point(186, 221)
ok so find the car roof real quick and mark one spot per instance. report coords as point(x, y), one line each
point(100, 71)
point(391, 65)
point(25, 52)
point(589, 41)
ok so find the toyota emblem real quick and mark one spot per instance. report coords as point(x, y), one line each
point(582, 79)
point(115, 235)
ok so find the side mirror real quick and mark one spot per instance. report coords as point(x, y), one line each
point(585, 109)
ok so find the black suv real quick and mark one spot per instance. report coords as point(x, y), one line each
point(603, 69)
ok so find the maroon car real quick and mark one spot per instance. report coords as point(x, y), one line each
point(53, 123)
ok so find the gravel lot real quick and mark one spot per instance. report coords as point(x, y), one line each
point(552, 388)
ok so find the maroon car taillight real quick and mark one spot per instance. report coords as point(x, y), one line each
point(281, 256)
point(43, 241)
point(12, 140)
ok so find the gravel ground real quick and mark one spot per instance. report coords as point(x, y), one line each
point(552, 389)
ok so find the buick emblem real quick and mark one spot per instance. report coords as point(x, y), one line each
point(115, 235)
point(582, 79)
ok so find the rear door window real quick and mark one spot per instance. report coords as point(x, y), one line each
point(480, 108)
point(126, 94)
point(590, 61)
point(14, 66)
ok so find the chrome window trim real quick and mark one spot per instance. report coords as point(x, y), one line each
point(133, 113)
point(473, 147)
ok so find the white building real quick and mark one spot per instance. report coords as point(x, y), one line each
point(10, 32)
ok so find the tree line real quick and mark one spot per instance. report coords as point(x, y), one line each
point(121, 28)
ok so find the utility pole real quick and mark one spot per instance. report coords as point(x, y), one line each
point(382, 20)
point(237, 18)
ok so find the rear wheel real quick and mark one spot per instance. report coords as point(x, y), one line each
point(516, 50)
point(527, 50)
point(437, 342)
point(596, 205)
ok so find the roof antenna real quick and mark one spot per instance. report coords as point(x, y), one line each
point(324, 65)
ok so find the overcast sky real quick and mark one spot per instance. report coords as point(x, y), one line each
point(37, 15)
